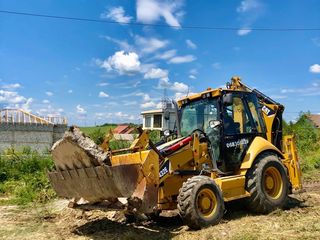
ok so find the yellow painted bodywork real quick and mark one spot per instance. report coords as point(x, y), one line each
point(233, 187)
point(209, 93)
point(291, 162)
point(269, 120)
point(194, 156)
point(258, 146)
point(148, 159)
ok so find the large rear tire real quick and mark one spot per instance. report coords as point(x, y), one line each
point(200, 202)
point(267, 182)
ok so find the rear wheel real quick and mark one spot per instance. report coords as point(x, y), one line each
point(200, 202)
point(267, 183)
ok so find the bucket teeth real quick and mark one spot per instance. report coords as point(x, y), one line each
point(85, 174)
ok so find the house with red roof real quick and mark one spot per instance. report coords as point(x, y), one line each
point(124, 132)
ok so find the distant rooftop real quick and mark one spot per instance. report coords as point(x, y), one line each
point(315, 118)
point(123, 129)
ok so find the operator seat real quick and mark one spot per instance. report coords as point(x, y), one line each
point(231, 127)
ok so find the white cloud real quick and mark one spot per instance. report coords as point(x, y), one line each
point(179, 87)
point(50, 111)
point(80, 110)
point(123, 63)
point(146, 67)
point(156, 73)
point(124, 116)
point(49, 93)
point(70, 91)
point(116, 117)
point(103, 95)
point(167, 54)
point(176, 86)
point(11, 97)
point(315, 68)
point(216, 65)
point(182, 59)
point(242, 32)
point(26, 105)
point(11, 86)
point(129, 103)
point(149, 45)
point(145, 96)
point(316, 84)
point(164, 83)
point(248, 5)
point(151, 11)
point(313, 90)
point(193, 71)
point(180, 95)
point(249, 11)
point(116, 14)
point(102, 84)
point(141, 44)
point(123, 44)
point(191, 44)
point(14, 100)
point(150, 104)
point(45, 101)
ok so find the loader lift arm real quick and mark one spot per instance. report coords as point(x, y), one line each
point(257, 163)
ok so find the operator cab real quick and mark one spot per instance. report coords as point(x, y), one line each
point(228, 122)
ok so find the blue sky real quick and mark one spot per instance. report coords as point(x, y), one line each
point(97, 72)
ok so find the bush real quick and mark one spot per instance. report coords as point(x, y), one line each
point(23, 176)
point(155, 136)
point(308, 141)
point(97, 136)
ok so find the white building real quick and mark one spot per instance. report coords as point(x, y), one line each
point(159, 119)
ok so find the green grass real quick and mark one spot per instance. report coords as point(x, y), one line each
point(23, 177)
point(90, 130)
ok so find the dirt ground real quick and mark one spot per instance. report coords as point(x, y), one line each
point(300, 220)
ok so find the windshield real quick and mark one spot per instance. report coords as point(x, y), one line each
point(197, 115)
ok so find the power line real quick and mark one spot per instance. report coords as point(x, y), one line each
point(155, 25)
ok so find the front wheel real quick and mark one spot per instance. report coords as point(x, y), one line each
point(200, 202)
point(267, 182)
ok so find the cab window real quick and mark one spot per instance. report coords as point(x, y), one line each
point(236, 120)
point(255, 109)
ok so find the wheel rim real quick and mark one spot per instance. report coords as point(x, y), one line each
point(273, 184)
point(206, 203)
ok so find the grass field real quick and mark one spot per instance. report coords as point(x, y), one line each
point(90, 130)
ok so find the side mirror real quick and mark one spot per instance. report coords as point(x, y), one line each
point(166, 133)
point(214, 123)
point(227, 99)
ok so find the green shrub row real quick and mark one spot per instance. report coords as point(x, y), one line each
point(307, 140)
point(23, 177)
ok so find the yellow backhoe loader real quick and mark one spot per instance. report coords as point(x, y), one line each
point(229, 146)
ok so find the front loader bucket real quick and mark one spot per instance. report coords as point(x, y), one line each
point(84, 173)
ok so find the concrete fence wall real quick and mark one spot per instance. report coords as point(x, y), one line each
point(37, 136)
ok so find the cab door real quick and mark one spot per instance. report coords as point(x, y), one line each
point(239, 129)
